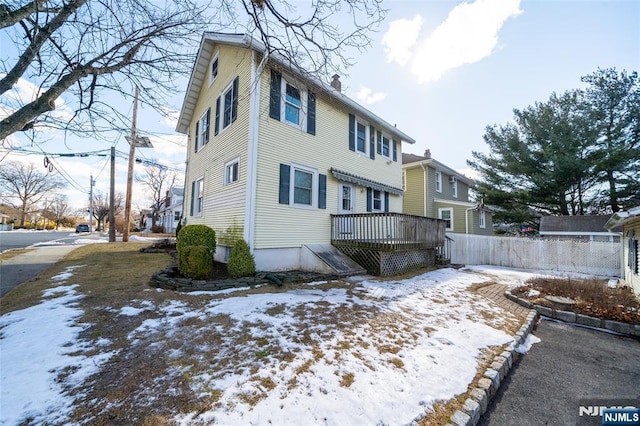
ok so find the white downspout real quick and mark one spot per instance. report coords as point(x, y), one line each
point(252, 155)
point(466, 219)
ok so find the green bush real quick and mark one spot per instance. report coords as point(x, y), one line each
point(196, 235)
point(195, 262)
point(179, 226)
point(241, 262)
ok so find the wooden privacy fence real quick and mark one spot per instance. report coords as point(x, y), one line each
point(587, 257)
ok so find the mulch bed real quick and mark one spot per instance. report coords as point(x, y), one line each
point(592, 298)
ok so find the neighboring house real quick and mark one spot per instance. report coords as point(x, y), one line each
point(630, 222)
point(171, 210)
point(582, 228)
point(432, 189)
point(272, 153)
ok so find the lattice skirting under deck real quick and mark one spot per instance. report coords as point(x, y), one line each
point(384, 263)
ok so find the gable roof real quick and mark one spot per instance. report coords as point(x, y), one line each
point(199, 75)
point(622, 218)
point(413, 160)
point(585, 224)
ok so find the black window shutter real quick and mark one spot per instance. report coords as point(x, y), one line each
point(205, 137)
point(234, 105)
point(352, 132)
point(274, 95)
point(193, 196)
point(379, 146)
point(386, 201)
point(285, 176)
point(369, 199)
point(322, 191)
point(216, 126)
point(372, 143)
point(311, 113)
point(195, 145)
point(395, 150)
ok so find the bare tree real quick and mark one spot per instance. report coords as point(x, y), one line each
point(101, 207)
point(157, 179)
point(27, 185)
point(59, 208)
point(92, 49)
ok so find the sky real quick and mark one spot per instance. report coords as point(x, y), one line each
point(440, 70)
point(439, 321)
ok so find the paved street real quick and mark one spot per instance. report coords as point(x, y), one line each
point(20, 239)
point(570, 367)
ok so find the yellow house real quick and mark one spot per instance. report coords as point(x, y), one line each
point(272, 153)
point(630, 222)
point(432, 189)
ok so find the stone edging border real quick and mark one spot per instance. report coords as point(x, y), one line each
point(475, 406)
point(631, 330)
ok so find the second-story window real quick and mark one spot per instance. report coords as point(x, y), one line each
point(291, 102)
point(213, 68)
point(361, 137)
point(438, 182)
point(202, 129)
point(454, 187)
point(227, 107)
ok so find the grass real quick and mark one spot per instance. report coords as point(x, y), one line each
point(169, 362)
point(13, 253)
point(593, 297)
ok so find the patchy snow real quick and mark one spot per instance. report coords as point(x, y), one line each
point(532, 293)
point(528, 342)
point(40, 350)
point(366, 352)
point(145, 239)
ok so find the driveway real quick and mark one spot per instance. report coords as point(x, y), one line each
point(570, 367)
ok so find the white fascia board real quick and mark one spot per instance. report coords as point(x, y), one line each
point(577, 233)
point(455, 203)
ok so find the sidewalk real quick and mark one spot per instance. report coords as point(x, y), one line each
point(24, 267)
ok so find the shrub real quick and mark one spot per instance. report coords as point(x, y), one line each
point(241, 262)
point(197, 235)
point(157, 229)
point(195, 262)
point(179, 226)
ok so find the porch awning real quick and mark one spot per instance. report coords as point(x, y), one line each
point(367, 183)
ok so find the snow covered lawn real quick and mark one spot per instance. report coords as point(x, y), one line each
point(356, 352)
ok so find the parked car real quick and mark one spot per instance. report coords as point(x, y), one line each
point(83, 227)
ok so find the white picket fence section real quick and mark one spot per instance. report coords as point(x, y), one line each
point(586, 257)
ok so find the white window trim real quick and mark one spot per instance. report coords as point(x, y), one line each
point(221, 126)
point(199, 138)
point(454, 189)
point(196, 212)
point(283, 102)
point(367, 136)
point(227, 180)
point(382, 200)
point(438, 181)
point(404, 180)
point(483, 219)
point(450, 210)
point(314, 186)
point(388, 138)
point(212, 78)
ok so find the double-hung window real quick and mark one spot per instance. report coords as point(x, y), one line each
point(227, 107)
point(377, 200)
point(438, 181)
point(291, 103)
point(302, 186)
point(446, 214)
point(454, 187)
point(232, 171)
point(213, 68)
point(202, 129)
point(197, 196)
point(361, 137)
point(483, 220)
point(385, 145)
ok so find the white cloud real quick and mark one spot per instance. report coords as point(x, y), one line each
point(24, 92)
point(170, 118)
point(401, 37)
point(368, 97)
point(469, 34)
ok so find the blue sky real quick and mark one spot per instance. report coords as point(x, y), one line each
point(440, 70)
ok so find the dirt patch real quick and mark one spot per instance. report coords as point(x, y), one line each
point(592, 297)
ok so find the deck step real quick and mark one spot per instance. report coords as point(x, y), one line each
point(340, 263)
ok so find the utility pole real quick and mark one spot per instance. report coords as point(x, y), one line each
point(91, 183)
point(112, 196)
point(132, 155)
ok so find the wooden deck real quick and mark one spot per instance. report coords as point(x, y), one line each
point(389, 243)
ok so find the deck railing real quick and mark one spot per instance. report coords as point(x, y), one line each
point(387, 231)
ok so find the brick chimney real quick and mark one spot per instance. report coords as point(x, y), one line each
point(427, 153)
point(335, 83)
